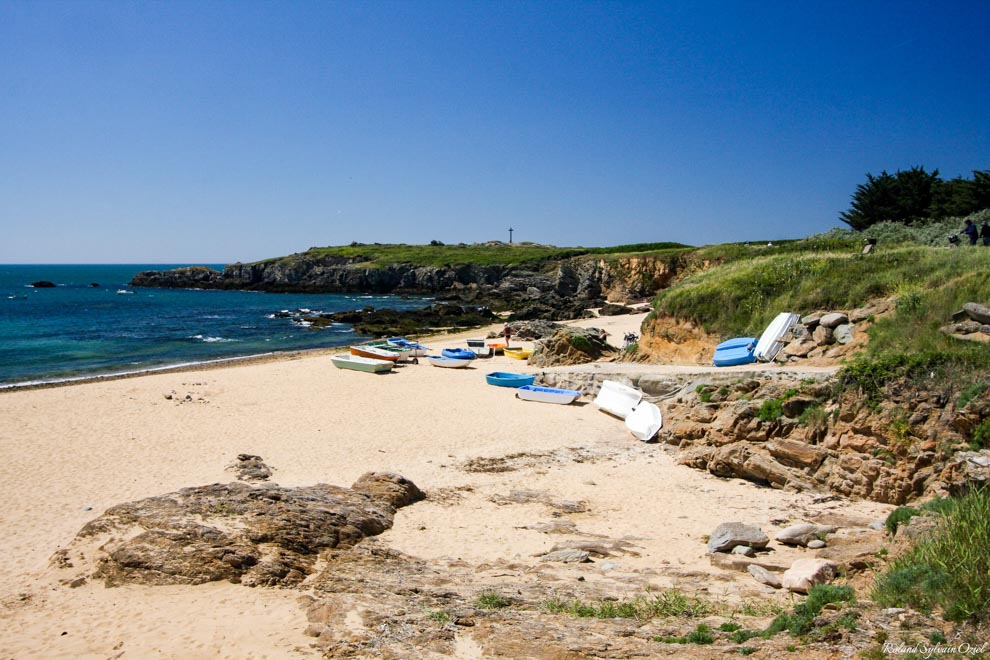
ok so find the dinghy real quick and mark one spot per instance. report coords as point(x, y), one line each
point(617, 399)
point(547, 394)
point(644, 421)
point(458, 353)
point(517, 353)
point(415, 348)
point(735, 351)
point(358, 363)
point(771, 341)
point(449, 363)
point(374, 353)
point(507, 379)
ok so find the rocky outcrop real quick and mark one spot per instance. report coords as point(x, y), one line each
point(971, 323)
point(568, 346)
point(257, 536)
point(791, 431)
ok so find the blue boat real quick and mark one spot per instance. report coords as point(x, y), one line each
point(458, 353)
point(508, 379)
point(731, 352)
point(547, 394)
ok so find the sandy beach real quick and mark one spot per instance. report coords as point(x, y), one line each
point(71, 452)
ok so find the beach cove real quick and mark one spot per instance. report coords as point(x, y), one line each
point(71, 452)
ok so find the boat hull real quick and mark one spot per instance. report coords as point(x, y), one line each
point(507, 379)
point(359, 363)
point(448, 363)
point(458, 353)
point(617, 399)
point(771, 339)
point(645, 421)
point(547, 394)
point(517, 353)
point(374, 353)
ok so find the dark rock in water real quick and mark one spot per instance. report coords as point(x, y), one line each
point(43, 284)
point(389, 322)
point(95, 285)
point(257, 536)
point(570, 346)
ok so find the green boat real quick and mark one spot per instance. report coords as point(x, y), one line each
point(359, 363)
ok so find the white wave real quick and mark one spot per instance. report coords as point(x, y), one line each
point(212, 340)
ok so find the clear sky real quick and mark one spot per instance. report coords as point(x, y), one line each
point(222, 131)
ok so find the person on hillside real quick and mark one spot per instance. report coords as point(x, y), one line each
point(970, 231)
point(985, 232)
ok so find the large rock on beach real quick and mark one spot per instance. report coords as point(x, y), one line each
point(257, 536)
point(806, 573)
point(977, 312)
point(802, 534)
point(730, 534)
point(569, 346)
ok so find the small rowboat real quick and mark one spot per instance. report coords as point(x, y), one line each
point(482, 351)
point(450, 363)
point(734, 351)
point(476, 343)
point(374, 353)
point(458, 353)
point(518, 353)
point(415, 349)
point(617, 399)
point(507, 379)
point(644, 421)
point(358, 363)
point(547, 394)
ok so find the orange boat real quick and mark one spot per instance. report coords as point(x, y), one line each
point(374, 353)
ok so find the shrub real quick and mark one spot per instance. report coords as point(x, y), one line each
point(981, 437)
point(971, 392)
point(899, 516)
point(491, 600)
point(770, 410)
point(948, 570)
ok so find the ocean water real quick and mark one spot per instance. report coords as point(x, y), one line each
point(77, 330)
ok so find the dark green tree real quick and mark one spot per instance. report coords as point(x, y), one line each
point(902, 197)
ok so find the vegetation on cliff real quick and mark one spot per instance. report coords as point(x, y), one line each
point(437, 254)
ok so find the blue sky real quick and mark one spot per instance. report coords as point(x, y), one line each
point(221, 131)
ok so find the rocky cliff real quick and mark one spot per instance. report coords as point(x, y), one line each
point(561, 289)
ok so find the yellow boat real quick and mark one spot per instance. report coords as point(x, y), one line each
point(518, 353)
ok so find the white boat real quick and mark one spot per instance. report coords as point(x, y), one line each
point(449, 363)
point(121, 292)
point(771, 339)
point(360, 363)
point(617, 399)
point(375, 353)
point(547, 394)
point(644, 421)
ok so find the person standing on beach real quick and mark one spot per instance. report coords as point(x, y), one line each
point(507, 332)
point(985, 232)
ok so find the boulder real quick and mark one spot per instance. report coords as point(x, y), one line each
point(258, 536)
point(977, 312)
point(806, 573)
point(795, 453)
point(833, 320)
point(844, 333)
point(43, 284)
point(569, 346)
point(567, 556)
point(823, 335)
point(763, 576)
point(728, 535)
point(803, 533)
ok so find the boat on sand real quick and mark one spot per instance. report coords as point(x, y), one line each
point(617, 399)
point(644, 421)
point(359, 363)
point(375, 353)
point(449, 363)
point(547, 394)
point(508, 379)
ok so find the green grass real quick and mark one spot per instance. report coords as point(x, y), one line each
point(492, 600)
point(663, 604)
point(528, 255)
point(770, 410)
point(948, 570)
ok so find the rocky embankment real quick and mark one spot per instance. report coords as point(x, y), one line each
point(792, 428)
point(563, 290)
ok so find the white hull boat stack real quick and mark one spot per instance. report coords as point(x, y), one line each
point(642, 418)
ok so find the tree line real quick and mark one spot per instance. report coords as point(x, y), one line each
point(911, 195)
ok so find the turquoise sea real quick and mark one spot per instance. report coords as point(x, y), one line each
point(78, 330)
